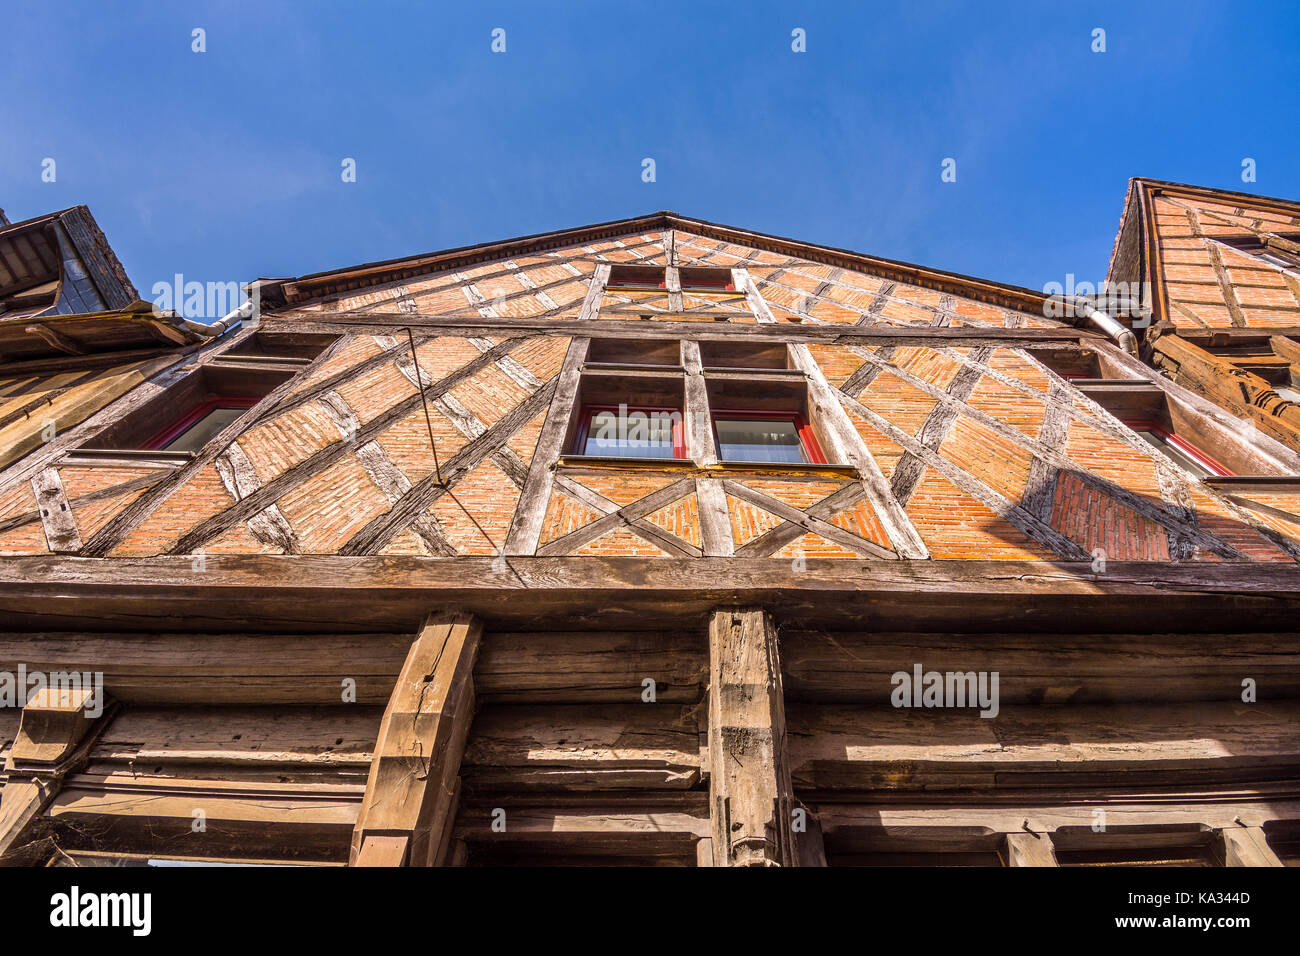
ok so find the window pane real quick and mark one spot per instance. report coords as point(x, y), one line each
point(759, 439)
point(637, 435)
point(197, 435)
point(1174, 453)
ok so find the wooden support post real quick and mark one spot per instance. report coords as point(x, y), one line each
point(1030, 849)
point(1246, 846)
point(414, 776)
point(750, 795)
point(55, 732)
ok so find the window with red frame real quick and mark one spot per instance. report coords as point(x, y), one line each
point(192, 430)
point(1178, 449)
point(622, 431)
point(771, 437)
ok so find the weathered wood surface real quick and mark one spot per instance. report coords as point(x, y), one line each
point(56, 513)
point(329, 743)
point(1029, 849)
point(630, 824)
point(750, 795)
point(411, 789)
point(219, 668)
point(158, 816)
point(1050, 667)
point(837, 747)
point(593, 666)
point(245, 668)
point(466, 324)
point(583, 747)
point(390, 592)
point(1246, 846)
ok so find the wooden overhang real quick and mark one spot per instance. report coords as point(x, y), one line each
point(364, 594)
point(135, 328)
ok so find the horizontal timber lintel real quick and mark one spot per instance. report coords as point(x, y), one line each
point(375, 593)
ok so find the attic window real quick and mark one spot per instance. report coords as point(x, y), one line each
point(192, 430)
point(707, 280)
point(1282, 251)
point(637, 277)
point(171, 428)
point(1178, 450)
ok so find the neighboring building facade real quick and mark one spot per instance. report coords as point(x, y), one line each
point(1224, 270)
point(643, 543)
point(74, 334)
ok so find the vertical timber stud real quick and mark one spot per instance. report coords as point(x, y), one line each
point(55, 733)
point(1030, 849)
point(750, 795)
point(1246, 846)
point(715, 520)
point(414, 776)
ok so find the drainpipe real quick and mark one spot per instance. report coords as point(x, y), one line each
point(1119, 333)
point(245, 311)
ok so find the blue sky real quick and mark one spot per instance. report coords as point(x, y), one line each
point(226, 164)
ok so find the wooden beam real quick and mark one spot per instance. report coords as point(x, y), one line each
point(1246, 846)
point(876, 748)
point(595, 293)
point(584, 748)
point(56, 513)
point(413, 778)
point(699, 421)
point(55, 339)
point(1030, 849)
point(459, 323)
point(750, 795)
point(394, 592)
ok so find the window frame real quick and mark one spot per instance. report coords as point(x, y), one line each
point(690, 280)
point(165, 436)
point(1167, 434)
point(812, 449)
point(637, 283)
point(587, 410)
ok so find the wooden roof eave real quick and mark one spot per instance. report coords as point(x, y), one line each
point(322, 284)
point(66, 335)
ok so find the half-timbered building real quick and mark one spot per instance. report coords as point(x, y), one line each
point(666, 542)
